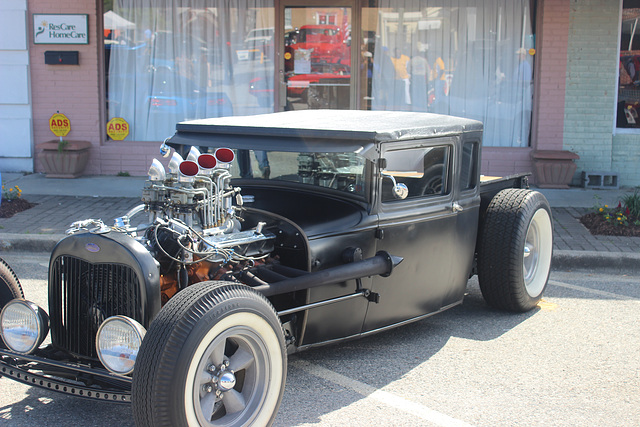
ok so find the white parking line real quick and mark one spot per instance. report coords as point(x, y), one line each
point(592, 291)
point(384, 397)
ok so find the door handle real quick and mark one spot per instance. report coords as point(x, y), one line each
point(282, 86)
point(456, 208)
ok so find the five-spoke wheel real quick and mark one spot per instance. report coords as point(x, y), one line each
point(214, 356)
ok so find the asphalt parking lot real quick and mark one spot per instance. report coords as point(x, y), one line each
point(572, 361)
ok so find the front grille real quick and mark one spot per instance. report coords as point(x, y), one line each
point(83, 294)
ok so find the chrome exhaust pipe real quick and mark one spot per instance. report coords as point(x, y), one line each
point(156, 171)
point(174, 163)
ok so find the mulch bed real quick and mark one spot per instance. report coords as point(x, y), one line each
point(597, 225)
point(9, 208)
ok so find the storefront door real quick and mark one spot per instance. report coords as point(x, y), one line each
point(315, 55)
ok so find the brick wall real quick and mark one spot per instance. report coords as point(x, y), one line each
point(625, 158)
point(70, 89)
point(592, 58)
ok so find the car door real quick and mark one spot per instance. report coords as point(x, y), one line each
point(424, 229)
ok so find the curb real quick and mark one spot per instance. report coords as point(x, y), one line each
point(10, 242)
point(590, 260)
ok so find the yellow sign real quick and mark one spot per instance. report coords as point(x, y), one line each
point(117, 128)
point(287, 56)
point(59, 124)
point(532, 51)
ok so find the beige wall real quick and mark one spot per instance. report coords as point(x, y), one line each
point(15, 97)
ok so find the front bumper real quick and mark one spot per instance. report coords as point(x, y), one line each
point(72, 378)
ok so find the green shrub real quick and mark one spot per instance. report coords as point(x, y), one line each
point(632, 203)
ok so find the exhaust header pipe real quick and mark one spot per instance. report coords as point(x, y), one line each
point(382, 263)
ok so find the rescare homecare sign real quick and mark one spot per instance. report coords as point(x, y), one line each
point(60, 29)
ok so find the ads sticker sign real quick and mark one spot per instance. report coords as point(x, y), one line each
point(60, 29)
point(117, 128)
point(59, 124)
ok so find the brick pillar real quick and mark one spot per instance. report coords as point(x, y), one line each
point(552, 34)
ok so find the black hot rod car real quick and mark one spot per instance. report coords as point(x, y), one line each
point(351, 223)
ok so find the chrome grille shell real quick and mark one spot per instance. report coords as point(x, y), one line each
point(93, 277)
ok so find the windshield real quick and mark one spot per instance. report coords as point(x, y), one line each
point(339, 171)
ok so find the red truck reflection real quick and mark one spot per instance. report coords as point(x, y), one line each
point(315, 55)
point(326, 43)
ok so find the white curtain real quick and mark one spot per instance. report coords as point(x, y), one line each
point(173, 60)
point(464, 58)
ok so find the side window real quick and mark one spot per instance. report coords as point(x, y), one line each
point(468, 170)
point(425, 171)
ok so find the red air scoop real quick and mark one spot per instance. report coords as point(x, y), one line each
point(189, 168)
point(225, 155)
point(207, 161)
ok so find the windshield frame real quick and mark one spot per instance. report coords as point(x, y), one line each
point(326, 176)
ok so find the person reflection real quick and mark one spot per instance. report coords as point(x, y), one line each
point(440, 82)
point(402, 90)
point(420, 72)
point(522, 72)
point(244, 163)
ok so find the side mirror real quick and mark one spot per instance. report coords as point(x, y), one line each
point(400, 191)
point(165, 150)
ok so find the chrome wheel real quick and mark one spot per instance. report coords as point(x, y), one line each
point(537, 253)
point(232, 380)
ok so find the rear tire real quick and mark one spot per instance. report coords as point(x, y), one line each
point(515, 250)
point(214, 356)
point(9, 287)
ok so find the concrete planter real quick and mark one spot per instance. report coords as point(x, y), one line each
point(554, 168)
point(68, 163)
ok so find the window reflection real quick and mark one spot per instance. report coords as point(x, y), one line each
point(463, 60)
point(629, 83)
point(183, 60)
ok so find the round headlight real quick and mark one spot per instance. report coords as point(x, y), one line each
point(118, 341)
point(24, 325)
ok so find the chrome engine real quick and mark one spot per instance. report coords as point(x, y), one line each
point(192, 228)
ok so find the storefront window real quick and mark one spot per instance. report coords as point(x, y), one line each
point(174, 60)
point(629, 81)
point(474, 61)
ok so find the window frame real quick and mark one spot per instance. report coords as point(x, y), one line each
point(389, 206)
point(616, 129)
point(474, 163)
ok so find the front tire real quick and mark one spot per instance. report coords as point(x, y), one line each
point(214, 356)
point(9, 287)
point(515, 250)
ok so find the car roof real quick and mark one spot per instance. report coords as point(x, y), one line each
point(329, 130)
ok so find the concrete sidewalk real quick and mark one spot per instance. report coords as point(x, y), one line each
point(59, 202)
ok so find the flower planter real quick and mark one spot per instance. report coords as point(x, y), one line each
point(68, 163)
point(554, 168)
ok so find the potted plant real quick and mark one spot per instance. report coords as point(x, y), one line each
point(63, 158)
point(554, 168)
